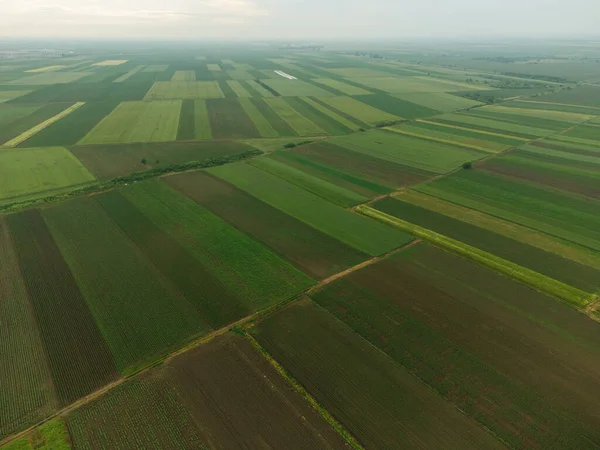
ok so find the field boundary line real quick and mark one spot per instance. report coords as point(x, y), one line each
point(326, 415)
point(562, 104)
point(572, 296)
point(456, 127)
point(41, 126)
point(442, 141)
point(320, 285)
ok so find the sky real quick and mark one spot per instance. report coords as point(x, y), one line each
point(297, 19)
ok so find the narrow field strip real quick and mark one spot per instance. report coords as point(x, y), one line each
point(300, 124)
point(474, 130)
point(261, 123)
point(45, 69)
point(500, 226)
point(573, 296)
point(33, 131)
point(561, 104)
point(442, 141)
point(239, 90)
point(129, 74)
point(328, 112)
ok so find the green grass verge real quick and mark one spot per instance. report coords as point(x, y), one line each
point(573, 296)
point(303, 392)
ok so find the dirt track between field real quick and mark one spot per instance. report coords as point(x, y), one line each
point(203, 340)
point(362, 265)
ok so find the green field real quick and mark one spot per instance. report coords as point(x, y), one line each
point(53, 435)
point(442, 135)
point(184, 89)
point(125, 292)
point(324, 189)
point(566, 217)
point(296, 88)
point(358, 169)
point(17, 121)
point(31, 172)
point(358, 110)
point(254, 276)
point(296, 121)
point(47, 78)
point(77, 355)
point(228, 119)
point(264, 128)
point(339, 118)
point(513, 129)
point(111, 161)
point(71, 129)
point(184, 75)
point(9, 95)
point(439, 100)
point(363, 234)
point(313, 252)
point(342, 87)
point(400, 149)
point(137, 122)
point(405, 85)
point(526, 166)
point(27, 385)
point(546, 263)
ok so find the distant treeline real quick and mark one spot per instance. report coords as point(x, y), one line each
point(513, 59)
point(532, 76)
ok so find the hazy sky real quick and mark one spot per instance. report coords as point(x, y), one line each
point(249, 19)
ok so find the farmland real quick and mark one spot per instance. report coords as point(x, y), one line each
point(313, 252)
point(375, 399)
point(416, 307)
point(39, 171)
point(525, 204)
point(179, 407)
point(137, 122)
point(263, 245)
point(364, 235)
point(78, 358)
point(434, 157)
point(110, 161)
point(119, 283)
point(181, 88)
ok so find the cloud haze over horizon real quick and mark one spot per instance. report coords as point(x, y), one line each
point(317, 19)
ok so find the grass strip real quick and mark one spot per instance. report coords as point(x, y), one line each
point(351, 440)
point(573, 296)
point(39, 127)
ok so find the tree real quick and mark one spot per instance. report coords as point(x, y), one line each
point(144, 161)
point(468, 165)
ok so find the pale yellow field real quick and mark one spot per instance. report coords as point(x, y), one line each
point(45, 69)
point(111, 62)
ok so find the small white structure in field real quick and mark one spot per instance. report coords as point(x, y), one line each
point(285, 75)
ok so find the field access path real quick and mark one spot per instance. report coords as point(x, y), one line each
point(206, 339)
